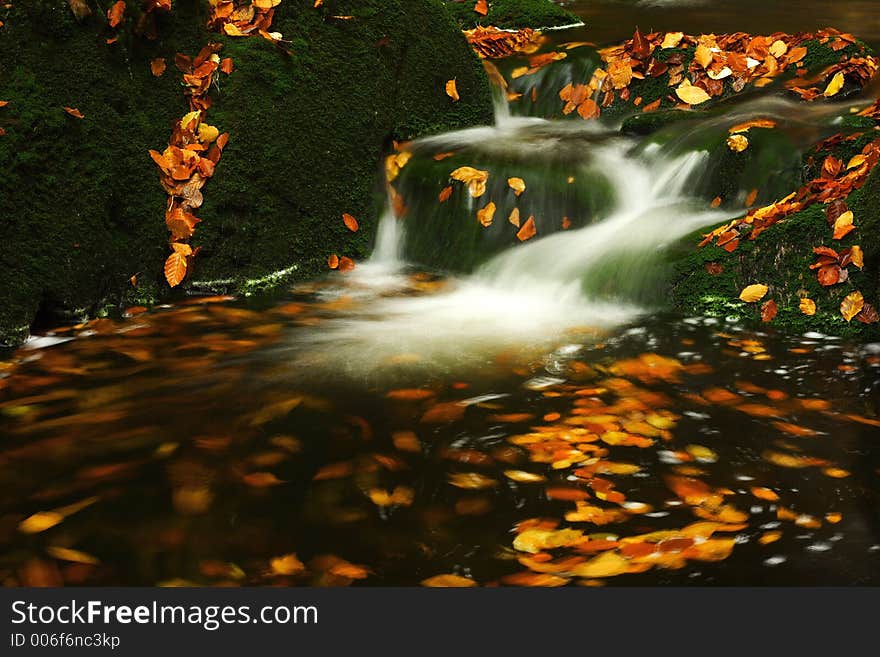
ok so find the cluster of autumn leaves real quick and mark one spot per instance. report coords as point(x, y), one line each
point(835, 182)
point(195, 147)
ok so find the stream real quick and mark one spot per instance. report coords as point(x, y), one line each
point(461, 404)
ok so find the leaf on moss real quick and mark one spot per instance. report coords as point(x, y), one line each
point(753, 293)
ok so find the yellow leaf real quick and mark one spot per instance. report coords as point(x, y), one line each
point(266, 4)
point(835, 85)
point(852, 305)
point(514, 217)
point(737, 143)
point(189, 118)
point(175, 269)
point(208, 133)
point(475, 179)
point(858, 258)
point(74, 556)
point(672, 39)
point(232, 30)
point(778, 48)
point(753, 293)
point(690, 94)
point(448, 581)
point(518, 185)
point(288, 564)
point(808, 307)
point(856, 161)
point(486, 214)
point(608, 564)
point(843, 226)
point(703, 56)
point(523, 477)
point(40, 522)
point(452, 90)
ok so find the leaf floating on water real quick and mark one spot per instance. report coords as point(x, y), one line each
point(350, 222)
point(452, 90)
point(523, 477)
point(40, 522)
point(835, 85)
point(753, 293)
point(261, 480)
point(486, 215)
point(852, 305)
point(410, 394)
point(400, 496)
point(518, 185)
point(74, 556)
point(608, 564)
point(808, 306)
point(528, 230)
point(448, 581)
point(471, 481)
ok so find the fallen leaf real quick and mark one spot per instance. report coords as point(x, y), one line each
point(514, 217)
point(350, 222)
point(518, 185)
point(690, 94)
point(753, 293)
point(843, 226)
point(157, 66)
point(445, 193)
point(448, 581)
point(482, 7)
point(475, 179)
point(227, 65)
point(288, 564)
point(857, 256)
point(852, 305)
point(346, 264)
point(40, 522)
point(527, 231)
point(115, 13)
point(808, 307)
point(452, 90)
point(768, 311)
point(74, 112)
point(835, 85)
point(486, 215)
point(175, 269)
point(738, 143)
point(333, 261)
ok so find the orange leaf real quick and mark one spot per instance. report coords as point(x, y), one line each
point(445, 193)
point(175, 269)
point(115, 13)
point(482, 7)
point(486, 215)
point(808, 307)
point(768, 311)
point(226, 65)
point(333, 261)
point(843, 226)
point(350, 222)
point(528, 230)
point(346, 264)
point(74, 112)
point(452, 90)
point(157, 66)
point(447, 581)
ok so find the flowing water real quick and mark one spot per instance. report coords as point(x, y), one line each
point(533, 419)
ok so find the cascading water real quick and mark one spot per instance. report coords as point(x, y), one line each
point(535, 293)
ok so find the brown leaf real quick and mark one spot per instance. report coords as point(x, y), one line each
point(482, 7)
point(158, 66)
point(445, 193)
point(714, 268)
point(346, 264)
point(79, 8)
point(350, 222)
point(74, 112)
point(868, 315)
point(227, 65)
point(768, 311)
point(333, 261)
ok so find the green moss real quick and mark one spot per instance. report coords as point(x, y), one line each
point(512, 14)
point(81, 208)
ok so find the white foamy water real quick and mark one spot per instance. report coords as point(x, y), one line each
point(527, 298)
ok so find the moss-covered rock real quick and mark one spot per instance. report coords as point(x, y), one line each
point(780, 258)
point(81, 205)
point(512, 14)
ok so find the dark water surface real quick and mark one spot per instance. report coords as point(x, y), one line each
point(613, 20)
point(209, 442)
